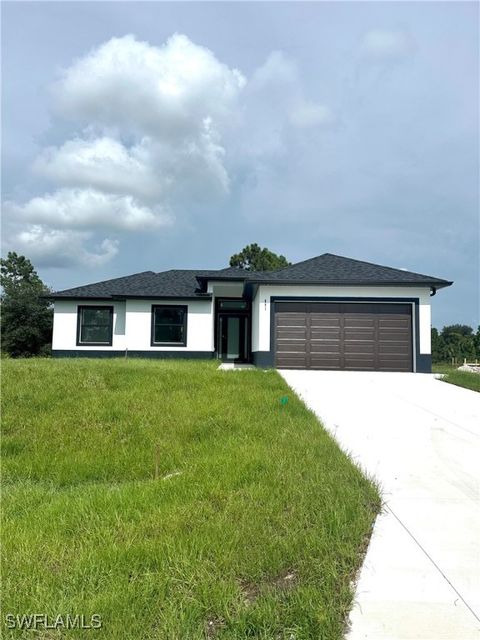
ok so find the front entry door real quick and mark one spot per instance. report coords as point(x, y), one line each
point(233, 337)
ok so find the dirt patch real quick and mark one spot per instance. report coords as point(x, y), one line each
point(282, 582)
point(286, 580)
point(213, 626)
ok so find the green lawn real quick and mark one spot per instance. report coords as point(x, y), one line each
point(460, 378)
point(253, 528)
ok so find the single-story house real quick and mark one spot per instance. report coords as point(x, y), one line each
point(329, 312)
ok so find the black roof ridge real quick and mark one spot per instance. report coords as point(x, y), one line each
point(202, 270)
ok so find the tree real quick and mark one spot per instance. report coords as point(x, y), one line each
point(26, 319)
point(459, 341)
point(455, 341)
point(254, 258)
point(457, 329)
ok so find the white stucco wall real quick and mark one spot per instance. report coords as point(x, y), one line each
point(132, 318)
point(261, 306)
point(132, 325)
point(425, 324)
point(199, 325)
point(65, 325)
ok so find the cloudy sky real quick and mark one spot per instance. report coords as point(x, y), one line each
point(149, 136)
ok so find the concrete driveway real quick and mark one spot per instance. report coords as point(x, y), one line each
point(420, 438)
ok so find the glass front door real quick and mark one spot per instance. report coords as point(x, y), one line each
point(233, 338)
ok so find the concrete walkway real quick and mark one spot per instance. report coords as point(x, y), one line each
point(420, 438)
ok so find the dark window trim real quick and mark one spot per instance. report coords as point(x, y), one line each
point(247, 312)
point(219, 299)
point(80, 309)
point(184, 307)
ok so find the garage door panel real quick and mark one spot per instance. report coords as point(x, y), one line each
point(394, 340)
point(401, 365)
point(288, 350)
point(391, 326)
point(325, 334)
point(394, 336)
point(325, 347)
point(324, 320)
point(354, 336)
point(292, 333)
point(393, 357)
point(393, 349)
point(394, 322)
point(358, 322)
point(325, 362)
point(291, 355)
point(359, 347)
point(292, 347)
point(359, 364)
point(325, 331)
point(291, 363)
point(291, 320)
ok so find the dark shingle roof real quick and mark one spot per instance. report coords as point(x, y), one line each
point(175, 283)
point(188, 283)
point(332, 269)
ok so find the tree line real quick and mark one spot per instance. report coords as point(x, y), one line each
point(455, 342)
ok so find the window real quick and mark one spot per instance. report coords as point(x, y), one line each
point(169, 325)
point(95, 325)
point(241, 305)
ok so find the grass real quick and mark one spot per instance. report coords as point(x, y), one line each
point(451, 374)
point(176, 501)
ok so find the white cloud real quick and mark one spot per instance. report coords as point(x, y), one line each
point(151, 170)
point(165, 91)
point(162, 127)
point(48, 247)
point(105, 164)
point(381, 44)
point(170, 103)
point(73, 208)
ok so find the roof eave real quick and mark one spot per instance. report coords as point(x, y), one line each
point(364, 283)
point(202, 296)
point(199, 296)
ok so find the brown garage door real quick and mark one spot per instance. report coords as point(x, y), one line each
point(350, 336)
